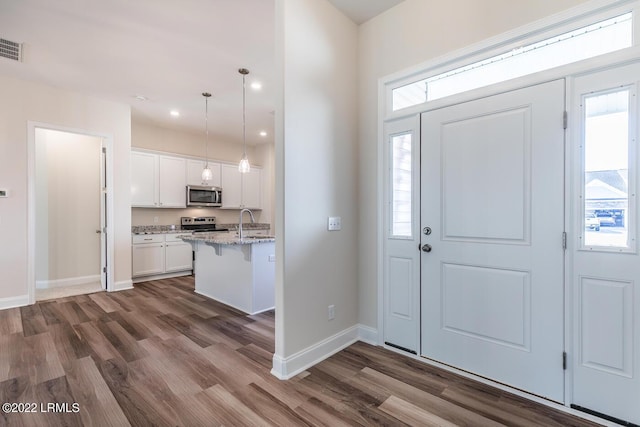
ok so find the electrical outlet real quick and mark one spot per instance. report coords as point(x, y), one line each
point(334, 223)
point(331, 311)
point(156, 219)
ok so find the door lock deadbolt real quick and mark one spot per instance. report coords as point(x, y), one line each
point(426, 231)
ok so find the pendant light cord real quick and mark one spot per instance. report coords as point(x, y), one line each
point(244, 120)
point(206, 126)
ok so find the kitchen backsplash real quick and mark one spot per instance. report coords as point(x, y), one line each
point(148, 216)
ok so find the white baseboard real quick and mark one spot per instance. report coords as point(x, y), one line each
point(123, 285)
point(289, 367)
point(141, 279)
point(70, 281)
point(368, 334)
point(11, 302)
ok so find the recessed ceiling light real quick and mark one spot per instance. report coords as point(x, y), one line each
point(140, 97)
point(256, 85)
point(175, 113)
point(263, 133)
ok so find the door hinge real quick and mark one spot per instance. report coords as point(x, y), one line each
point(564, 360)
point(104, 269)
point(104, 150)
point(564, 240)
point(104, 230)
point(565, 119)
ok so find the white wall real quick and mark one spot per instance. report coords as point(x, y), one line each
point(413, 32)
point(68, 192)
point(317, 170)
point(24, 101)
point(150, 137)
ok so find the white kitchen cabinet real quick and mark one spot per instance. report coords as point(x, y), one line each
point(160, 255)
point(194, 173)
point(144, 179)
point(148, 255)
point(158, 181)
point(173, 182)
point(241, 190)
point(178, 255)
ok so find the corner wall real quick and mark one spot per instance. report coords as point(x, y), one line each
point(316, 164)
point(24, 101)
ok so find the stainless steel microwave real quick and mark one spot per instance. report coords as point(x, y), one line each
point(204, 196)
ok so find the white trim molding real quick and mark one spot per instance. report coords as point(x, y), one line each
point(109, 251)
point(70, 281)
point(288, 367)
point(12, 302)
point(367, 334)
point(122, 285)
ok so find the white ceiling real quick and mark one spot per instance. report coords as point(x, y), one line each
point(168, 51)
point(362, 10)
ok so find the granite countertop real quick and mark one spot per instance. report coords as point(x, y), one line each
point(246, 226)
point(175, 229)
point(227, 239)
point(158, 229)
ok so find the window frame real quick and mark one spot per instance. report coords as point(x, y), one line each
point(533, 33)
point(632, 150)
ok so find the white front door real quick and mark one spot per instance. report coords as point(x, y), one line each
point(606, 321)
point(401, 289)
point(492, 174)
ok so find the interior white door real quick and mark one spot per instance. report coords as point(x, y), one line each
point(401, 283)
point(492, 183)
point(606, 322)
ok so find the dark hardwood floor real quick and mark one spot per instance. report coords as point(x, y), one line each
point(161, 355)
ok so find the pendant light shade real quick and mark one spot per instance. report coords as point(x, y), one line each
point(207, 175)
point(244, 166)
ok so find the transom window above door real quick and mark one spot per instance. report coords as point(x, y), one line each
point(585, 42)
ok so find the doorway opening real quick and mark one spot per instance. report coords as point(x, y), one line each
point(70, 220)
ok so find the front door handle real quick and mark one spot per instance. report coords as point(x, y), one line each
point(426, 247)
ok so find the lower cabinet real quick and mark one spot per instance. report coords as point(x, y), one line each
point(155, 255)
point(178, 255)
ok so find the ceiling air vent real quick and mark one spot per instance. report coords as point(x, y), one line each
point(10, 50)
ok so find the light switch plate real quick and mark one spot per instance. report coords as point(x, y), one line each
point(334, 223)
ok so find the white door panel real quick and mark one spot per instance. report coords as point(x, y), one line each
point(492, 286)
point(401, 289)
point(606, 267)
point(474, 181)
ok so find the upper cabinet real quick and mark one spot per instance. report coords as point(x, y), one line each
point(160, 181)
point(241, 190)
point(144, 179)
point(194, 173)
point(157, 181)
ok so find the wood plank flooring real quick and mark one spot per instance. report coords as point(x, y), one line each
point(162, 355)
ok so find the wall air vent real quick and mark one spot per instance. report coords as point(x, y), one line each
point(10, 50)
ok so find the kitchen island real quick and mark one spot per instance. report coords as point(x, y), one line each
point(237, 272)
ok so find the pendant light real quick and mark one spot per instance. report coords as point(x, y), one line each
point(207, 175)
point(244, 166)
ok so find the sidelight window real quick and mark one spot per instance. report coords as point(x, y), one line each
point(401, 185)
point(607, 133)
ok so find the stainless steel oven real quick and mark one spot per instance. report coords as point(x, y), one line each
point(204, 196)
